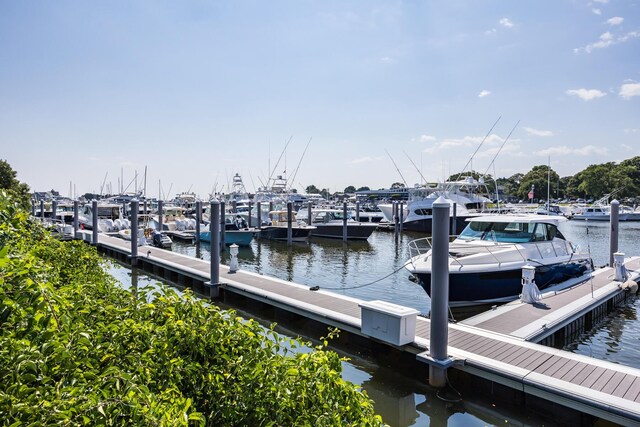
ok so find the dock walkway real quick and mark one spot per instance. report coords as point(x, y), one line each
point(494, 348)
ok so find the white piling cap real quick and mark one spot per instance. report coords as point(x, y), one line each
point(441, 202)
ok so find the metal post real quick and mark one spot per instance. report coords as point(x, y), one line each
point(439, 290)
point(214, 227)
point(401, 215)
point(54, 210)
point(198, 220)
point(42, 209)
point(75, 219)
point(134, 231)
point(358, 211)
point(309, 212)
point(613, 236)
point(344, 221)
point(234, 206)
point(94, 222)
point(270, 206)
point(395, 218)
point(289, 222)
point(223, 221)
point(160, 215)
point(249, 219)
point(454, 225)
point(33, 207)
point(259, 210)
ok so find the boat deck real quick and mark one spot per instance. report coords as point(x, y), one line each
point(494, 347)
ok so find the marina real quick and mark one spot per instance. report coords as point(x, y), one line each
point(348, 314)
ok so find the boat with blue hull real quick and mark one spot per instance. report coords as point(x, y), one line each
point(235, 232)
point(486, 259)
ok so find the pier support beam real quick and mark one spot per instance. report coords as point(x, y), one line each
point(54, 209)
point(214, 227)
point(134, 233)
point(42, 209)
point(94, 222)
point(613, 235)
point(75, 219)
point(259, 210)
point(439, 292)
point(401, 215)
point(358, 211)
point(454, 219)
point(249, 218)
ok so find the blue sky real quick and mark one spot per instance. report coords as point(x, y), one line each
point(199, 90)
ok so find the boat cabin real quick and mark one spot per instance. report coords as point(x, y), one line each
point(511, 229)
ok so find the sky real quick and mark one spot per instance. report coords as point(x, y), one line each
point(324, 93)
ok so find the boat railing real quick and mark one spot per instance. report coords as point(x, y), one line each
point(532, 251)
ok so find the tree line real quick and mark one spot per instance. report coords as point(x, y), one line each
point(620, 180)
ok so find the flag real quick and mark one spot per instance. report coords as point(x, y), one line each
point(530, 194)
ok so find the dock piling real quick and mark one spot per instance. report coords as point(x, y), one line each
point(214, 226)
point(134, 231)
point(94, 222)
point(258, 209)
point(613, 235)
point(75, 219)
point(439, 292)
point(289, 223)
point(54, 209)
point(358, 211)
point(198, 220)
point(223, 220)
point(42, 209)
point(249, 219)
point(160, 215)
point(454, 219)
point(344, 221)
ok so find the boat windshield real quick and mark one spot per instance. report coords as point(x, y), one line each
point(510, 232)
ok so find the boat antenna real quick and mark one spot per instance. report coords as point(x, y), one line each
point(295, 172)
point(394, 164)
point(103, 183)
point(501, 147)
point(548, 181)
point(280, 158)
point(477, 148)
point(414, 165)
point(145, 181)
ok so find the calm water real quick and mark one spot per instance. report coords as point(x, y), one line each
point(373, 270)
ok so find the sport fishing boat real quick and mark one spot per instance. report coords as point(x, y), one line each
point(486, 259)
point(278, 228)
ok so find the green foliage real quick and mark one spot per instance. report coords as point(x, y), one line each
point(76, 349)
point(349, 190)
point(541, 178)
point(9, 182)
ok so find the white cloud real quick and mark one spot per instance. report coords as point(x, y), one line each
point(607, 39)
point(491, 31)
point(631, 130)
point(563, 150)
point(467, 141)
point(386, 60)
point(586, 94)
point(426, 138)
point(596, 11)
point(505, 22)
point(601, 1)
point(362, 160)
point(616, 20)
point(484, 93)
point(538, 132)
point(629, 90)
point(626, 147)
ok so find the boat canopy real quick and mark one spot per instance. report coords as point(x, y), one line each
point(548, 219)
point(510, 229)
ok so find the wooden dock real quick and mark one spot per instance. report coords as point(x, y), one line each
point(498, 347)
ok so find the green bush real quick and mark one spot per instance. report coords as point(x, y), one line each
point(77, 349)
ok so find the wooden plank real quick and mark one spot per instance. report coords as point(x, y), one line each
point(495, 351)
point(573, 364)
point(560, 364)
point(525, 358)
point(465, 341)
point(614, 382)
point(624, 386)
point(548, 364)
point(603, 380)
point(483, 349)
point(593, 377)
point(507, 358)
point(537, 361)
point(580, 374)
point(634, 391)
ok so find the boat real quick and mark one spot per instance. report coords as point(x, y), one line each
point(235, 232)
point(173, 219)
point(486, 259)
point(278, 228)
point(548, 209)
point(417, 213)
point(329, 223)
point(107, 214)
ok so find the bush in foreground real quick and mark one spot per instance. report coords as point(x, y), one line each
point(76, 349)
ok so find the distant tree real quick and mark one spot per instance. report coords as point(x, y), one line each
point(9, 181)
point(363, 189)
point(537, 177)
point(350, 189)
point(312, 189)
point(397, 185)
point(325, 193)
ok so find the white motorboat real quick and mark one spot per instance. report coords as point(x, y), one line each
point(486, 260)
point(278, 228)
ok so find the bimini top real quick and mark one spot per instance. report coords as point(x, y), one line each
point(525, 219)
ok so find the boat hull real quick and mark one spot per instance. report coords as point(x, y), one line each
point(298, 234)
point(335, 231)
point(424, 225)
point(478, 288)
point(238, 237)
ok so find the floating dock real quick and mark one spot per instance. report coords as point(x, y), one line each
point(498, 349)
